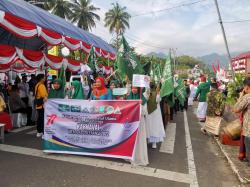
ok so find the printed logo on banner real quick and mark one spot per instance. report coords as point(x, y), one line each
point(91, 110)
point(51, 119)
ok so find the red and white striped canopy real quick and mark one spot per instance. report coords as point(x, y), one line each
point(25, 25)
point(33, 60)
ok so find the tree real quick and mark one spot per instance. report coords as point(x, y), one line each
point(40, 3)
point(117, 19)
point(83, 13)
point(186, 60)
point(61, 8)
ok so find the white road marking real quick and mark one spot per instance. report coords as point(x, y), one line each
point(190, 154)
point(32, 132)
point(128, 168)
point(168, 145)
point(234, 168)
point(21, 129)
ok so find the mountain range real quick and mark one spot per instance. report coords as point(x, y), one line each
point(213, 58)
point(154, 54)
point(209, 59)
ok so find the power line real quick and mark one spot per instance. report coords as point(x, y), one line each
point(143, 42)
point(237, 21)
point(167, 9)
point(147, 44)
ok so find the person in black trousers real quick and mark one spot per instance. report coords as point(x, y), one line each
point(187, 94)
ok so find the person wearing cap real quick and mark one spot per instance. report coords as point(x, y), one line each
point(215, 107)
point(202, 92)
point(24, 94)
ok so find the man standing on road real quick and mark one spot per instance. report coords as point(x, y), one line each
point(24, 94)
point(215, 107)
point(202, 91)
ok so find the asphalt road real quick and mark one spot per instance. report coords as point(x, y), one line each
point(195, 160)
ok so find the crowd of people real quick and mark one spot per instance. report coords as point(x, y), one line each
point(211, 96)
point(28, 98)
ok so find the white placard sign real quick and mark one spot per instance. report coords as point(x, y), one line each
point(120, 91)
point(141, 81)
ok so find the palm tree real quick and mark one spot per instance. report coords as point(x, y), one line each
point(61, 8)
point(117, 19)
point(40, 3)
point(83, 13)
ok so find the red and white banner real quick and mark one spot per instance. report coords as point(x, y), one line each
point(97, 128)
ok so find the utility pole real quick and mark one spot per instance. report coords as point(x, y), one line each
point(224, 35)
point(174, 55)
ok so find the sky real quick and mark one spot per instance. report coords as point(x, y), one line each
point(191, 30)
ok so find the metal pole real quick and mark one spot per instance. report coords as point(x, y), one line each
point(224, 35)
point(174, 55)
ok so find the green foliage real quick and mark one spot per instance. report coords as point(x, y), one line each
point(232, 94)
point(83, 13)
point(40, 3)
point(117, 20)
point(183, 76)
point(188, 61)
point(61, 8)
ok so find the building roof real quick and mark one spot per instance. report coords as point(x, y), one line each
point(242, 55)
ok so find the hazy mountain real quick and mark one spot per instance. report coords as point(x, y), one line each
point(214, 57)
point(206, 59)
point(159, 55)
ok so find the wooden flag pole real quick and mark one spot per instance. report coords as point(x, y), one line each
point(141, 94)
point(111, 75)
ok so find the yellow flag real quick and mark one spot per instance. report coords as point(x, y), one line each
point(54, 51)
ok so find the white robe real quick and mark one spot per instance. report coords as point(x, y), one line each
point(141, 149)
point(193, 90)
point(202, 110)
point(156, 132)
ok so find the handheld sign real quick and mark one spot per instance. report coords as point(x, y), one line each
point(120, 91)
point(141, 81)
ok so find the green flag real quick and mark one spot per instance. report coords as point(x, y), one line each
point(180, 92)
point(62, 76)
point(92, 59)
point(127, 61)
point(157, 72)
point(167, 85)
point(147, 67)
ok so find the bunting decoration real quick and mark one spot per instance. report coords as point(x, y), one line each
point(33, 59)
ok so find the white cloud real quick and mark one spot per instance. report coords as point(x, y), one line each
point(192, 29)
point(218, 39)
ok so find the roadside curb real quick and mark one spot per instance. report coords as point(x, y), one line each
point(232, 165)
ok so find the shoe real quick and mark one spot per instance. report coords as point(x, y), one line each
point(38, 135)
point(154, 146)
